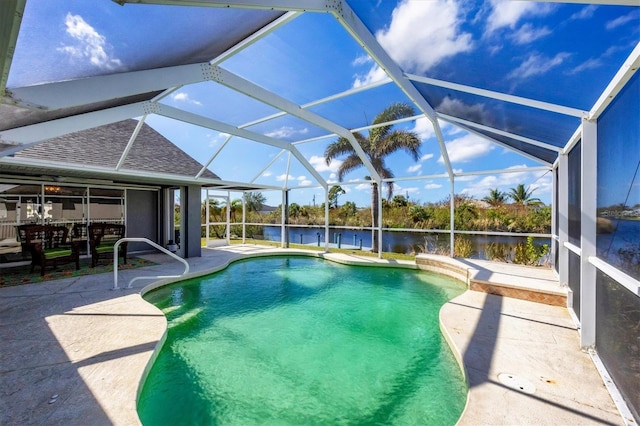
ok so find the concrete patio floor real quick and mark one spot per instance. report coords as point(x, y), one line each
point(74, 351)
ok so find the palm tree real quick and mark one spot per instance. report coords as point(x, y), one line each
point(496, 197)
point(254, 201)
point(236, 206)
point(522, 196)
point(380, 143)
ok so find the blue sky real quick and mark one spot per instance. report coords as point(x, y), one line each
point(563, 54)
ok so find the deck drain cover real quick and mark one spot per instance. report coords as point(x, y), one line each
point(517, 383)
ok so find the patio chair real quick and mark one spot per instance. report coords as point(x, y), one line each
point(102, 238)
point(21, 235)
point(48, 244)
point(80, 233)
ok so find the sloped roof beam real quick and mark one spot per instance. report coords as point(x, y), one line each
point(209, 123)
point(603, 2)
point(10, 21)
point(239, 84)
point(213, 156)
point(282, 5)
point(323, 100)
point(94, 89)
point(243, 44)
point(132, 139)
point(622, 77)
point(352, 23)
point(109, 172)
point(559, 109)
point(83, 91)
point(273, 160)
point(261, 33)
point(509, 147)
point(29, 135)
point(454, 120)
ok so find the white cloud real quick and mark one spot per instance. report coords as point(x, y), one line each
point(304, 182)
point(467, 148)
point(364, 187)
point(457, 108)
point(589, 64)
point(267, 174)
point(184, 97)
point(423, 33)
point(413, 169)
point(585, 12)
point(622, 20)
point(286, 132)
point(527, 34)
point(283, 177)
point(507, 13)
point(450, 130)
point(432, 186)
point(423, 128)
point(374, 75)
point(411, 190)
point(217, 139)
point(89, 44)
point(538, 180)
point(537, 64)
point(362, 60)
point(320, 165)
point(463, 178)
point(426, 157)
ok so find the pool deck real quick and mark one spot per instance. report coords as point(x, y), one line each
point(74, 351)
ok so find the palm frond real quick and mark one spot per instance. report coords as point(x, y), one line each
point(400, 140)
point(391, 113)
point(335, 149)
point(351, 163)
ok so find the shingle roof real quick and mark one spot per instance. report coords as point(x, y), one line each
point(103, 146)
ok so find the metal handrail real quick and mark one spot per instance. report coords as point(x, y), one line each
point(151, 243)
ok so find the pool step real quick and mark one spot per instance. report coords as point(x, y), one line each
point(535, 284)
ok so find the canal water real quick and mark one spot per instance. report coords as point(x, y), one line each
point(398, 242)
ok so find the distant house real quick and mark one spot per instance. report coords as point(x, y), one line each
point(105, 175)
point(267, 209)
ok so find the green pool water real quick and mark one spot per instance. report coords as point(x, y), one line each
point(302, 341)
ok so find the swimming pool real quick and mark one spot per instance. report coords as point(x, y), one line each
point(296, 340)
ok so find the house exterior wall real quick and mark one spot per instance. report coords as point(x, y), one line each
point(142, 217)
point(191, 236)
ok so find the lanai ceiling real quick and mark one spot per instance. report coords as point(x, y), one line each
point(290, 64)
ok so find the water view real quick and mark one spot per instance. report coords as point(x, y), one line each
point(399, 242)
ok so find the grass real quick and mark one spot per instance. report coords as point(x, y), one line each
point(385, 255)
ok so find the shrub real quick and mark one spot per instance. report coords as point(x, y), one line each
point(462, 247)
point(529, 253)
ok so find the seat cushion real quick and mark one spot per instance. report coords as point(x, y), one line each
point(107, 246)
point(56, 252)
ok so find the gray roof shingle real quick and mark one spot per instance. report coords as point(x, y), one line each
point(103, 146)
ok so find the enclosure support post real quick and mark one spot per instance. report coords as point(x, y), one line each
point(326, 219)
point(563, 220)
point(588, 197)
point(228, 218)
point(379, 195)
point(452, 217)
point(282, 218)
point(554, 211)
point(206, 219)
point(244, 217)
